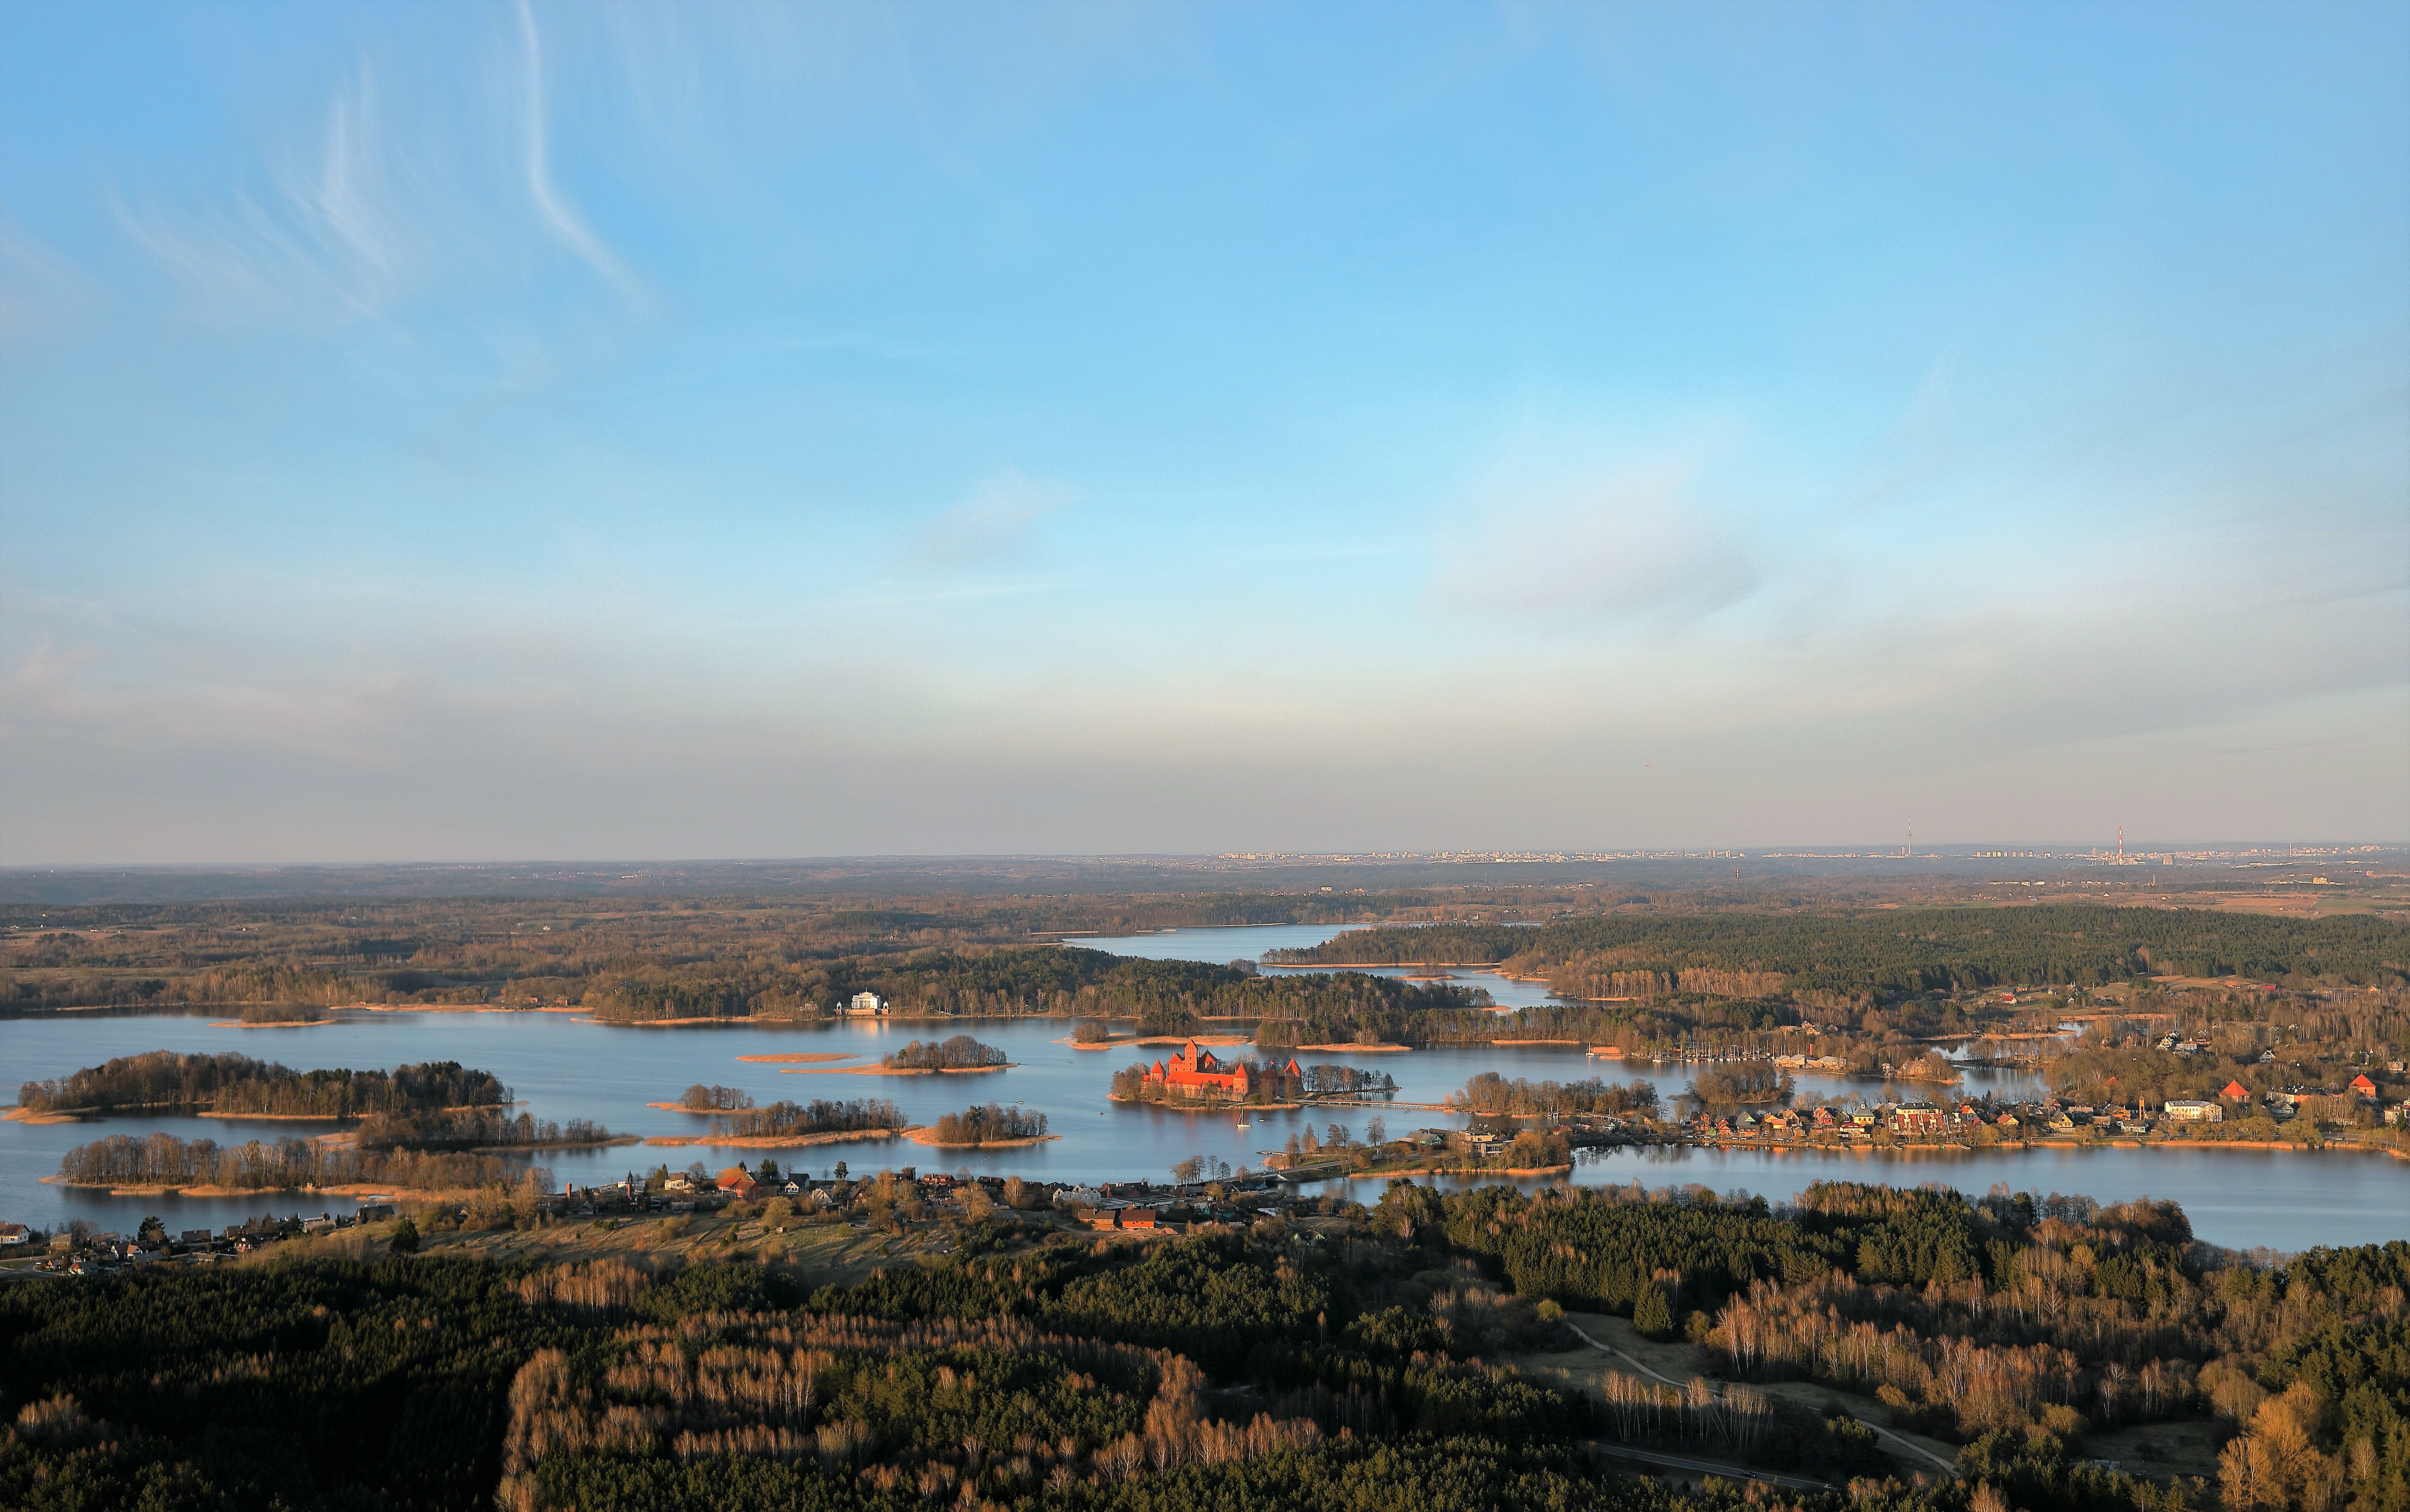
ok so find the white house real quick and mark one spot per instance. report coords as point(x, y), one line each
point(864, 1002)
point(2196, 1112)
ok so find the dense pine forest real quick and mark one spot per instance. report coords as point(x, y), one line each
point(1362, 1362)
point(1858, 958)
point(236, 1083)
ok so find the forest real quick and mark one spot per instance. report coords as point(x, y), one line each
point(230, 1082)
point(165, 1160)
point(1857, 957)
point(957, 1053)
point(1367, 1371)
point(989, 1124)
point(786, 1120)
point(1488, 1094)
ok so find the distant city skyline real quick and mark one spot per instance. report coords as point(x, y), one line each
point(482, 432)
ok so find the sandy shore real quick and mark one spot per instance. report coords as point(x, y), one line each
point(929, 1137)
point(445, 1194)
point(1200, 1039)
point(27, 1116)
point(778, 1141)
point(285, 1024)
point(1114, 1043)
point(1211, 1107)
point(895, 1071)
point(682, 1108)
point(464, 1008)
point(1446, 1171)
point(1360, 1050)
point(798, 1057)
point(281, 1118)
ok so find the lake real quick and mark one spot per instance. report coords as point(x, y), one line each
point(566, 1066)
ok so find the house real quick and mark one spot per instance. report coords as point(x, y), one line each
point(1194, 1069)
point(2237, 1091)
point(375, 1212)
point(194, 1236)
point(2193, 1113)
point(14, 1233)
point(1916, 1118)
point(2362, 1087)
point(1112, 1214)
point(865, 1003)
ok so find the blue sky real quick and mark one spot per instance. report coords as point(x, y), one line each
point(479, 431)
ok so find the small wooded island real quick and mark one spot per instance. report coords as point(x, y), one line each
point(959, 1054)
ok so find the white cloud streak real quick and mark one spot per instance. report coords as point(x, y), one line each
point(549, 202)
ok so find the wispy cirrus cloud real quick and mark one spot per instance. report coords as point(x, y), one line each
point(388, 196)
point(993, 525)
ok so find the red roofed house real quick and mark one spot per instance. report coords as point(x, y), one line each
point(739, 1183)
point(1194, 1069)
point(2237, 1091)
point(2364, 1087)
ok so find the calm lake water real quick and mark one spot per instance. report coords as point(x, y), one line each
point(565, 1066)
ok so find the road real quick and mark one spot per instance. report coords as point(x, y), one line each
point(1709, 1467)
point(1885, 1432)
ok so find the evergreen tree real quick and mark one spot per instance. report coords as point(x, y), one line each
point(1650, 1312)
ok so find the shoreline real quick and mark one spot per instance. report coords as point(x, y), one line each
point(778, 1141)
point(1444, 1170)
point(394, 1194)
point(893, 1071)
point(280, 1023)
point(929, 1138)
point(1360, 1050)
point(18, 1113)
point(797, 1057)
point(1207, 1107)
point(2020, 1147)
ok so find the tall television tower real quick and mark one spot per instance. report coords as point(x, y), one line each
point(2120, 845)
point(1910, 852)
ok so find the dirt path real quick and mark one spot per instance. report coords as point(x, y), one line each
point(1948, 1467)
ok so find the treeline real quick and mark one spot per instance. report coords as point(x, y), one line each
point(1852, 957)
point(1326, 1080)
point(1488, 1094)
point(236, 1083)
point(959, 1052)
point(165, 1160)
point(990, 1124)
point(1738, 1084)
point(1167, 997)
point(2012, 1314)
point(469, 1128)
point(1228, 1370)
point(782, 1120)
point(769, 953)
